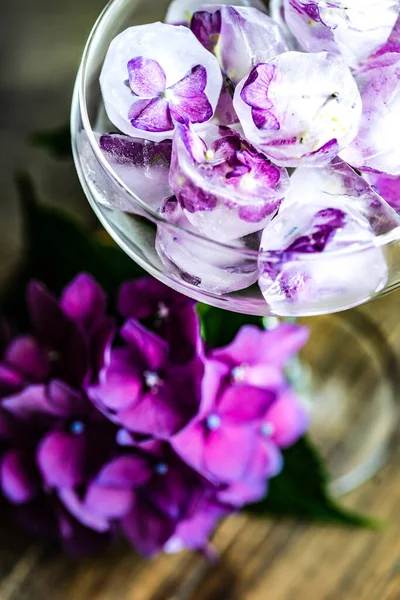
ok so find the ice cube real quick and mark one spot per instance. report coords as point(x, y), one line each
point(180, 12)
point(300, 109)
point(239, 37)
point(227, 189)
point(319, 252)
point(155, 75)
point(353, 28)
point(200, 262)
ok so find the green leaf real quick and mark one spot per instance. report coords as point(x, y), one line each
point(57, 248)
point(301, 491)
point(56, 142)
point(219, 327)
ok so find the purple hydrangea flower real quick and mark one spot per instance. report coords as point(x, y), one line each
point(142, 390)
point(239, 37)
point(155, 76)
point(172, 315)
point(180, 12)
point(300, 109)
point(52, 438)
point(342, 213)
point(377, 145)
point(353, 29)
point(235, 437)
point(226, 187)
point(197, 262)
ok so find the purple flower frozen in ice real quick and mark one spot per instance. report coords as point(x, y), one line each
point(377, 145)
point(183, 102)
point(352, 29)
point(387, 186)
point(157, 75)
point(142, 390)
point(180, 12)
point(240, 37)
point(172, 315)
point(340, 220)
point(299, 109)
point(226, 188)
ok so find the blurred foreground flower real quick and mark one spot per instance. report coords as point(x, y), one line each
point(144, 430)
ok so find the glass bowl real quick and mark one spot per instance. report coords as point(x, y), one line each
point(225, 275)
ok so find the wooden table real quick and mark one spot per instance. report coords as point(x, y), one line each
point(260, 560)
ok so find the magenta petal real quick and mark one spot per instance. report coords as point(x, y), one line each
point(194, 110)
point(255, 90)
point(228, 451)
point(264, 119)
point(147, 528)
point(29, 358)
point(18, 480)
point(65, 401)
point(112, 503)
point(244, 403)
point(266, 462)
point(125, 473)
point(61, 459)
point(31, 402)
point(155, 415)
point(120, 383)
point(243, 350)
point(193, 84)
point(146, 77)
point(82, 513)
point(289, 419)
point(244, 492)
point(147, 344)
point(190, 445)
point(151, 115)
point(215, 373)
point(278, 346)
point(10, 380)
point(84, 302)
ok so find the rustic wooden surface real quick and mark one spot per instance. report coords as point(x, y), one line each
point(40, 43)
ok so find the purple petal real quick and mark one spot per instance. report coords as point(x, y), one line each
point(125, 472)
point(151, 115)
point(194, 533)
point(190, 444)
point(215, 374)
point(265, 120)
point(61, 459)
point(147, 528)
point(121, 382)
point(243, 350)
point(155, 414)
point(267, 461)
point(244, 403)
point(18, 479)
point(255, 90)
point(228, 452)
point(84, 302)
point(152, 349)
point(206, 26)
point(65, 401)
point(289, 420)
point(194, 144)
point(177, 492)
point(79, 541)
point(281, 344)
point(182, 330)
point(141, 299)
point(192, 85)
point(109, 502)
point(29, 358)
point(30, 403)
point(241, 493)
point(146, 77)
point(84, 514)
point(10, 380)
point(59, 334)
point(194, 110)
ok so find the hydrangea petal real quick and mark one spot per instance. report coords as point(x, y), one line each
point(84, 302)
point(61, 459)
point(146, 77)
point(153, 348)
point(18, 480)
point(228, 452)
point(244, 403)
point(289, 418)
point(151, 115)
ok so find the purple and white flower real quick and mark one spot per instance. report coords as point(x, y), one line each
point(198, 262)
point(141, 390)
point(239, 37)
point(377, 145)
point(319, 255)
point(300, 109)
point(226, 187)
point(387, 186)
point(352, 28)
point(180, 12)
point(155, 76)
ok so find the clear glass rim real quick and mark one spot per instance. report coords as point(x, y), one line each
point(378, 241)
